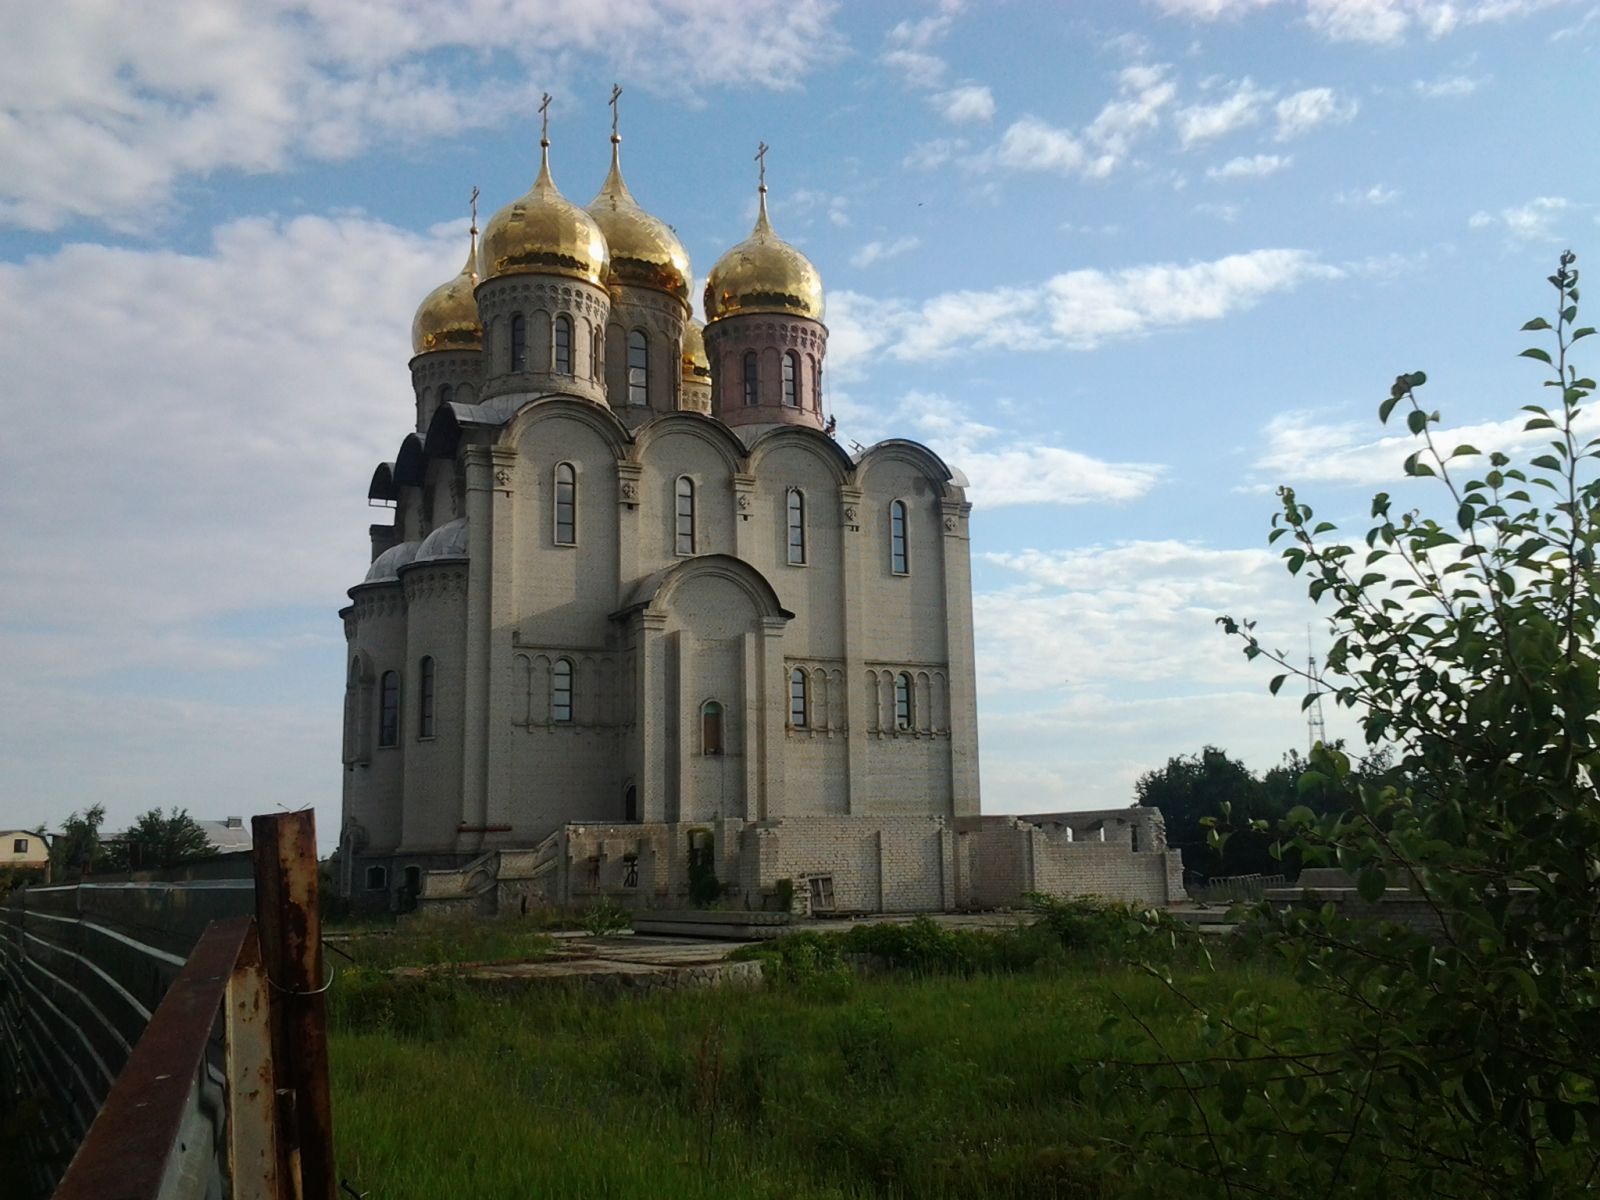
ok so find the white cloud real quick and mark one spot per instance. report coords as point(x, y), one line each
point(1387, 22)
point(1209, 10)
point(1203, 122)
point(1254, 166)
point(928, 156)
point(1101, 656)
point(1007, 468)
point(1222, 212)
point(877, 251)
point(1077, 310)
point(1304, 111)
point(967, 103)
point(1032, 144)
point(1300, 448)
point(1375, 196)
point(909, 44)
point(1536, 221)
point(103, 116)
point(1446, 86)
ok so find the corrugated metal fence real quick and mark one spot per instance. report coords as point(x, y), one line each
point(139, 1018)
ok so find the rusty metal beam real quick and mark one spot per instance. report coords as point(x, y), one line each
point(252, 1099)
point(290, 928)
point(130, 1148)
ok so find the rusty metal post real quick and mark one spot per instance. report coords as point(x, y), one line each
point(290, 928)
point(252, 1095)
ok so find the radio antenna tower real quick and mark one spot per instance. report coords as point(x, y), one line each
point(1316, 726)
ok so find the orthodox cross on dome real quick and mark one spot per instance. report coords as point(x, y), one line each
point(616, 93)
point(472, 203)
point(544, 115)
point(761, 163)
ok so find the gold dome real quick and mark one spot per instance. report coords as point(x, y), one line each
point(763, 274)
point(544, 233)
point(644, 251)
point(696, 366)
point(448, 318)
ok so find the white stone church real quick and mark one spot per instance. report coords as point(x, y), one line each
point(641, 628)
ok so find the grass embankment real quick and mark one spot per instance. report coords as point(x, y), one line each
point(439, 941)
point(952, 1079)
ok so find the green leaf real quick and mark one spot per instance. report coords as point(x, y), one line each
point(1386, 408)
point(1371, 884)
point(1548, 461)
point(1277, 682)
point(1416, 379)
point(1536, 323)
point(1464, 450)
point(1582, 333)
point(1416, 420)
point(1464, 516)
point(1535, 352)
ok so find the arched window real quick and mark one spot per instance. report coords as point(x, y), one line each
point(902, 701)
point(797, 698)
point(389, 710)
point(711, 728)
point(561, 691)
point(425, 697)
point(638, 368)
point(752, 390)
point(566, 505)
point(597, 356)
point(816, 384)
point(791, 380)
point(797, 527)
point(377, 878)
point(446, 394)
point(685, 527)
point(899, 558)
point(561, 345)
point(630, 803)
point(519, 343)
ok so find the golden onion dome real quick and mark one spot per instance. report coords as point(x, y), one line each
point(448, 318)
point(763, 274)
point(644, 250)
point(544, 233)
point(696, 365)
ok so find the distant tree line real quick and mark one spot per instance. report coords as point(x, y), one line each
point(1193, 787)
point(154, 840)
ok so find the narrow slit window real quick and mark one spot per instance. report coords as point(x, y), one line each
point(561, 692)
point(797, 698)
point(685, 527)
point(899, 558)
point(561, 343)
point(791, 380)
point(566, 505)
point(425, 672)
point(519, 343)
point(797, 527)
point(902, 702)
point(752, 390)
point(638, 368)
point(596, 353)
point(816, 384)
point(389, 710)
point(711, 728)
point(446, 393)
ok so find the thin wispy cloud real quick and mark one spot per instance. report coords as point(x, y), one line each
point(1253, 166)
point(1306, 110)
point(878, 251)
point(1541, 219)
point(1239, 109)
point(966, 104)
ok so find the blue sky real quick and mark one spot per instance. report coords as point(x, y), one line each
point(1130, 265)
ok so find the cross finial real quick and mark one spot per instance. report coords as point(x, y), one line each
point(761, 161)
point(544, 114)
point(473, 204)
point(616, 94)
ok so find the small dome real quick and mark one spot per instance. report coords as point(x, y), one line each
point(447, 541)
point(763, 274)
point(544, 233)
point(448, 318)
point(387, 565)
point(644, 250)
point(696, 365)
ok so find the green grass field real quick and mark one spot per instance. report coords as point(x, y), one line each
point(829, 1086)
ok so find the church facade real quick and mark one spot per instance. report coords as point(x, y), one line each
point(640, 627)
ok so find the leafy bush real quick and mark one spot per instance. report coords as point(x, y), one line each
point(607, 918)
point(1458, 1054)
